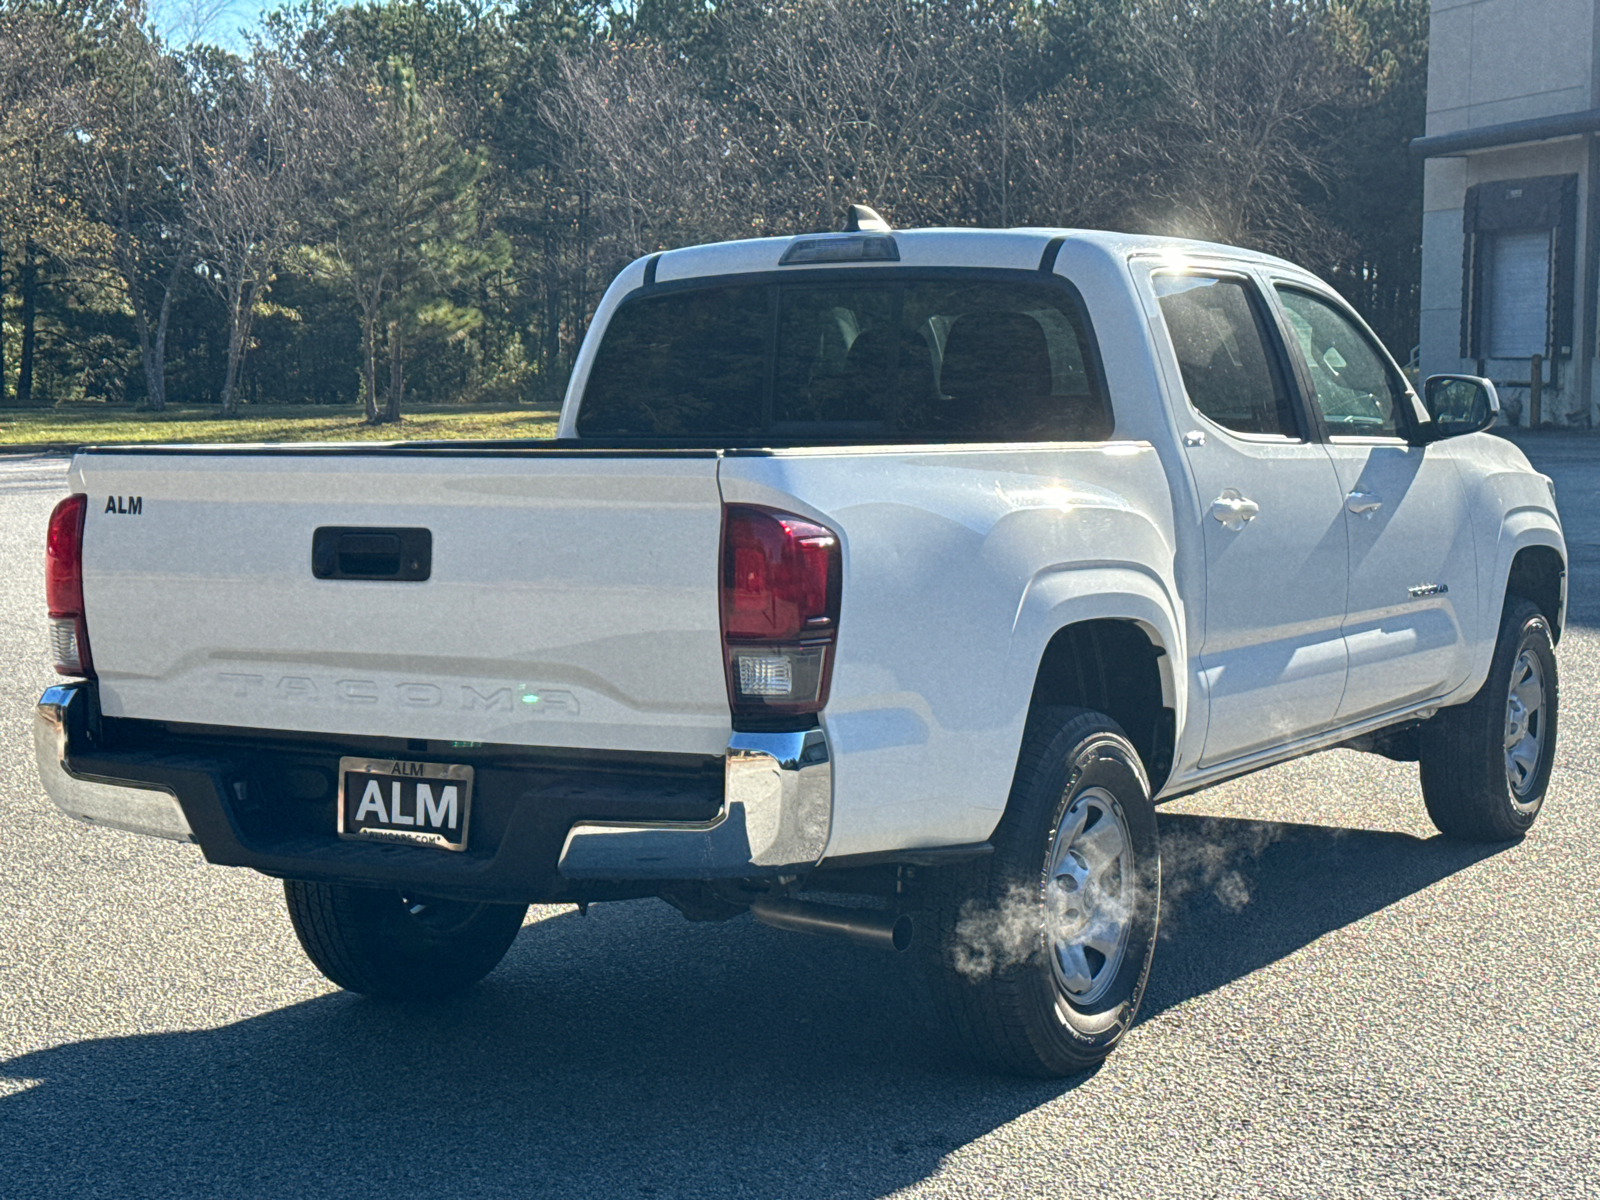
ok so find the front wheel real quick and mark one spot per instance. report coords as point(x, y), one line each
point(1039, 954)
point(1486, 763)
point(396, 945)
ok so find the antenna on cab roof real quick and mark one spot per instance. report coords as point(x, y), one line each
point(858, 218)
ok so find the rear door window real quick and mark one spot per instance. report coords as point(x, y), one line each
point(1229, 369)
point(849, 360)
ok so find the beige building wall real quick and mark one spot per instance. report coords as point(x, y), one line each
point(1493, 63)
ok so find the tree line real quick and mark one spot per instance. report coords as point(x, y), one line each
point(422, 200)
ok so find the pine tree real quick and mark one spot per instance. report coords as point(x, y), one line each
point(403, 229)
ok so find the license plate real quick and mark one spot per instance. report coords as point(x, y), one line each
point(419, 802)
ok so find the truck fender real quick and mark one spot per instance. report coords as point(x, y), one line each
point(1521, 528)
point(1069, 593)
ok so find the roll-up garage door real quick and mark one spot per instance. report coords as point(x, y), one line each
point(1519, 294)
point(1519, 268)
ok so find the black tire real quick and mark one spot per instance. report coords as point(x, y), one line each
point(990, 965)
point(387, 944)
point(1469, 782)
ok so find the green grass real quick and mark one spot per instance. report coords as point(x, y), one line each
point(103, 424)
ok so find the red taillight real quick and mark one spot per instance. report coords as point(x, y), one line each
point(63, 587)
point(780, 610)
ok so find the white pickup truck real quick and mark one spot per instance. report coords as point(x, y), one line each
point(908, 567)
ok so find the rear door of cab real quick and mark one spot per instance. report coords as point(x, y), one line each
point(1272, 662)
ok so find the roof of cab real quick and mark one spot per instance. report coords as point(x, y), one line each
point(1016, 249)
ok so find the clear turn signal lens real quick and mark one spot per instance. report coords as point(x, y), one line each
point(764, 674)
point(791, 675)
point(64, 645)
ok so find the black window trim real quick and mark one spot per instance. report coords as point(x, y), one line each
point(833, 276)
point(1403, 402)
point(1270, 324)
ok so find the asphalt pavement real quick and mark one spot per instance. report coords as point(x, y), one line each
point(1343, 1004)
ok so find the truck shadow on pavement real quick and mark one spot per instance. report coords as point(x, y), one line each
point(1238, 895)
point(631, 1054)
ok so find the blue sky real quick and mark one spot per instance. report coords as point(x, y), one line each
point(223, 20)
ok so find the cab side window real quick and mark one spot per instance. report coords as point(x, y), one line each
point(1219, 337)
point(1356, 390)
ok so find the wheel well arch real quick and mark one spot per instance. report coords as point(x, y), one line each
point(1537, 574)
point(1112, 666)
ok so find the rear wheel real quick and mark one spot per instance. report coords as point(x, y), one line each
point(1486, 764)
point(1039, 954)
point(399, 945)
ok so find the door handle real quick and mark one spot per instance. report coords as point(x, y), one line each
point(1234, 510)
point(1364, 504)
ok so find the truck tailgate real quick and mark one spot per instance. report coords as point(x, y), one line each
point(571, 601)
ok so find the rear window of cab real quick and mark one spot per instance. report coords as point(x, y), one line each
point(840, 359)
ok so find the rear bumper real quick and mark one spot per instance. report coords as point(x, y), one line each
point(777, 808)
point(546, 829)
point(154, 812)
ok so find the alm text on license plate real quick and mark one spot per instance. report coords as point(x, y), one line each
point(395, 800)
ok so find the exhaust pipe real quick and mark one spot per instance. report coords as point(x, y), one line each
point(882, 929)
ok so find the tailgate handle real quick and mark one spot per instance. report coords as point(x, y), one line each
point(345, 552)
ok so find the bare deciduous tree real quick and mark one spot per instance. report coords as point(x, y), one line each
point(855, 101)
point(652, 164)
point(1237, 140)
point(251, 151)
point(130, 180)
point(935, 114)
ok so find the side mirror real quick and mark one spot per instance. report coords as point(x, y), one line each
point(1458, 404)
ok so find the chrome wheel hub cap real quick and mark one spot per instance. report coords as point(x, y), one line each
point(1089, 897)
point(1525, 723)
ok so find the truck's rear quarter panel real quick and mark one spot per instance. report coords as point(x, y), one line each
point(959, 564)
